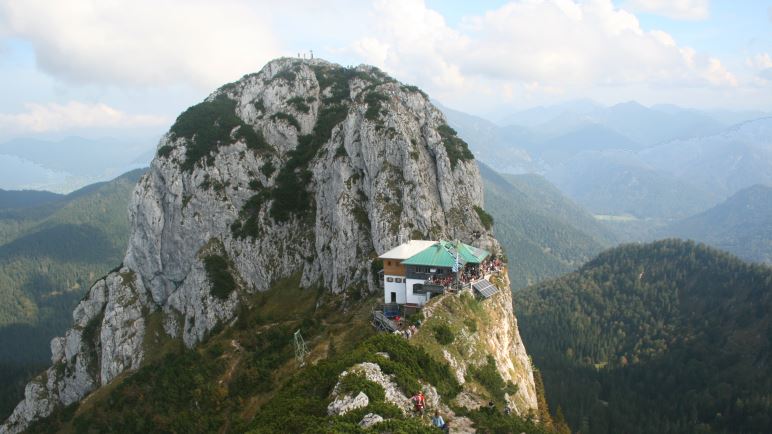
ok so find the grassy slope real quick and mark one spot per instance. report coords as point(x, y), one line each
point(245, 377)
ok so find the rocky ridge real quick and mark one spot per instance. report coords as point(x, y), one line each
point(303, 167)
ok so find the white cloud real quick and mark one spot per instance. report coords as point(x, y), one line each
point(549, 46)
point(142, 42)
point(761, 64)
point(760, 61)
point(519, 52)
point(41, 118)
point(675, 9)
point(413, 42)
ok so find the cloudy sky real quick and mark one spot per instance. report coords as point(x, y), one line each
point(110, 66)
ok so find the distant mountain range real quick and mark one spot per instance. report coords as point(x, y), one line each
point(615, 182)
point(652, 165)
point(741, 224)
point(26, 198)
point(70, 163)
point(723, 163)
point(644, 125)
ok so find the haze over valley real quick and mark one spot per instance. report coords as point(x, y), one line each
point(529, 216)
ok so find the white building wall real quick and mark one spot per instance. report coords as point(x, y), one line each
point(419, 299)
point(398, 288)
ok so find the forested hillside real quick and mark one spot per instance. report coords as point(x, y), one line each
point(668, 337)
point(49, 256)
point(742, 225)
point(543, 233)
point(26, 198)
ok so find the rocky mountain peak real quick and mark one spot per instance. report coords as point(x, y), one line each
point(304, 167)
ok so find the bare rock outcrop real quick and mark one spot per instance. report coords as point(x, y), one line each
point(304, 167)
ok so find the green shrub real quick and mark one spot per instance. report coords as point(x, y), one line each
point(341, 152)
point(443, 334)
point(380, 407)
point(374, 101)
point(254, 139)
point(255, 184)
point(485, 218)
point(376, 265)
point(354, 383)
point(164, 151)
point(301, 405)
point(361, 216)
point(159, 397)
point(299, 103)
point(287, 118)
point(471, 325)
point(266, 352)
point(285, 74)
point(496, 422)
point(248, 223)
point(267, 168)
point(290, 195)
point(411, 88)
point(415, 319)
point(488, 376)
point(220, 278)
point(337, 79)
point(208, 125)
point(456, 148)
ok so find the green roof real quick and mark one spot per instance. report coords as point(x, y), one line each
point(471, 254)
point(443, 254)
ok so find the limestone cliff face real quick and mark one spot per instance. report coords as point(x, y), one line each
point(303, 167)
point(501, 339)
point(482, 329)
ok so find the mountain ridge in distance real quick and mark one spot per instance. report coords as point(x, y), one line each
point(742, 225)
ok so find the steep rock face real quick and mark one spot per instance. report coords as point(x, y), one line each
point(482, 329)
point(504, 343)
point(106, 339)
point(303, 167)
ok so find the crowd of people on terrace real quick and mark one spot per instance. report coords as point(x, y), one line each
point(469, 274)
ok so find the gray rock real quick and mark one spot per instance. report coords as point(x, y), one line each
point(373, 372)
point(347, 403)
point(370, 419)
point(377, 181)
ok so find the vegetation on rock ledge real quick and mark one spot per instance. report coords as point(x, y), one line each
point(209, 125)
point(456, 148)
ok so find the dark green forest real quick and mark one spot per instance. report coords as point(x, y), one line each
point(668, 337)
point(50, 254)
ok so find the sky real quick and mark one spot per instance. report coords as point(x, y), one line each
point(110, 67)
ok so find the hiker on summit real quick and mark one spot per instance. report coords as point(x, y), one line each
point(419, 401)
point(439, 422)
